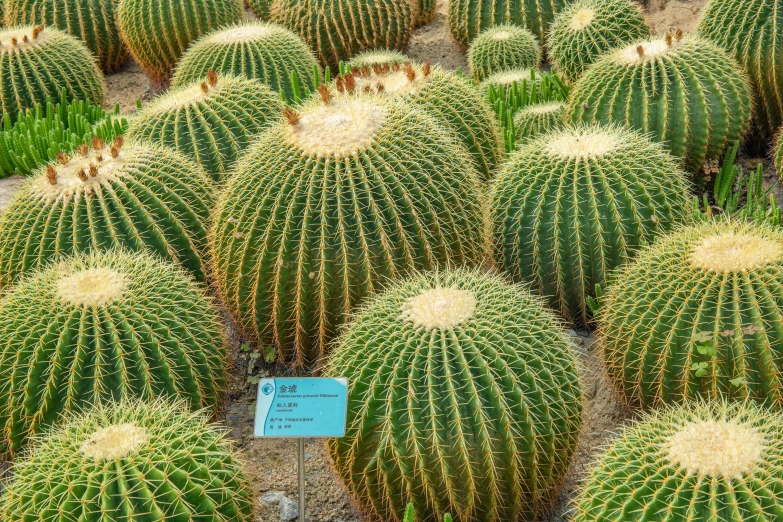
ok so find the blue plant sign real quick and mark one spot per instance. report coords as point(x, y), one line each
point(301, 407)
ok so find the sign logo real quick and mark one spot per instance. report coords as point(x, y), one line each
point(267, 388)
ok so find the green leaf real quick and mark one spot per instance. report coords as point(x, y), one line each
point(270, 354)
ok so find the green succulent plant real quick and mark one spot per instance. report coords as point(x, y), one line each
point(537, 119)
point(502, 48)
point(464, 399)
point(427, 9)
point(260, 8)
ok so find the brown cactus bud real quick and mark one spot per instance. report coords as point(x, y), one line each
point(37, 30)
point(409, 72)
point(119, 141)
point(24, 38)
point(350, 83)
point(51, 175)
point(640, 50)
point(426, 70)
point(326, 96)
point(339, 84)
point(99, 157)
point(97, 143)
point(395, 67)
point(114, 152)
point(668, 39)
point(212, 77)
point(93, 170)
point(678, 35)
point(291, 115)
point(62, 158)
point(367, 89)
point(380, 88)
point(204, 87)
point(365, 70)
point(82, 149)
point(82, 175)
point(376, 68)
point(13, 41)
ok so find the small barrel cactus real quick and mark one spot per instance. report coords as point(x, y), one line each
point(377, 57)
point(104, 325)
point(139, 197)
point(571, 205)
point(130, 460)
point(464, 399)
point(538, 119)
point(427, 9)
point(586, 29)
point(157, 32)
point(212, 120)
point(341, 29)
point(325, 208)
point(698, 314)
point(687, 93)
point(502, 48)
point(39, 63)
point(262, 51)
point(260, 8)
point(702, 462)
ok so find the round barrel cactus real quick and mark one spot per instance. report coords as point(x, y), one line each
point(502, 48)
point(698, 315)
point(262, 51)
point(39, 63)
point(341, 29)
point(538, 119)
point(212, 120)
point(701, 462)
point(427, 9)
point(130, 460)
point(464, 399)
point(687, 93)
point(260, 8)
point(157, 32)
point(328, 206)
point(138, 197)
point(104, 325)
point(571, 205)
point(586, 29)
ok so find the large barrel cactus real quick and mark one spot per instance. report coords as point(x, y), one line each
point(261, 8)
point(262, 51)
point(130, 461)
point(323, 209)
point(537, 119)
point(139, 197)
point(104, 325)
point(703, 462)
point(39, 63)
point(502, 48)
point(571, 205)
point(464, 399)
point(212, 120)
point(687, 93)
point(157, 32)
point(698, 314)
point(427, 9)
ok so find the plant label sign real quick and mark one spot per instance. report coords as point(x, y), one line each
point(301, 407)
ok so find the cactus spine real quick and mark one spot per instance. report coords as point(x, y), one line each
point(502, 48)
point(537, 119)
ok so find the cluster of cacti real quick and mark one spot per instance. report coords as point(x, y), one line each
point(212, 120)
point(702, 462)
point(453, 100)
point(341, 29)
point(39, 63)
point(571, 205)
point(698, 314)
point(538, 119)
point(502, 48)
point(426, 11)
point(260, 8)
point(262, 51)
point(587, 29)
point(138, 197)
point(324, 208)
point(130, 460)
point(157, 32)
point(464, 399)
point(687, 93)
point(92, 21)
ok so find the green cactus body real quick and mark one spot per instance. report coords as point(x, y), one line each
point(145, 198)
point(702, 462)
point(777, 155)
point(587, 29)
point(341, 29)
point(689, 95)
point(91, 21)
point(38, 63)
point(212, 120)
point(262, 51)
point(260, 8)
point(571, 205)
point(377, 57)
point(130, 461)
point(533, 120)
point(427, 9)
point(503, 48)
point(104, 325)
point(157, 32)
point(444, 95)
point(464, 399)
point(323, 210)
point(698, 315)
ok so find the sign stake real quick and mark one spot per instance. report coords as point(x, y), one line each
point(301, 479)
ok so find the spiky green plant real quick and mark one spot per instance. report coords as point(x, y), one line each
point(323, 209)
point(212, 120)
point(262, 51)
point(702, 462)
point(687, 93)
point(104, 325)
point(91, 21)
point(260, 8)
point(502, 48)
point(341, 29)
point(130, 460)
point(698, 314)
point(464, 399)
point(446, 96)
point(157, 32)
point(537, 119)
point(427, 9)
point(376, 57)
point(38, 63)
point(136, 196)
point(571, 205)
